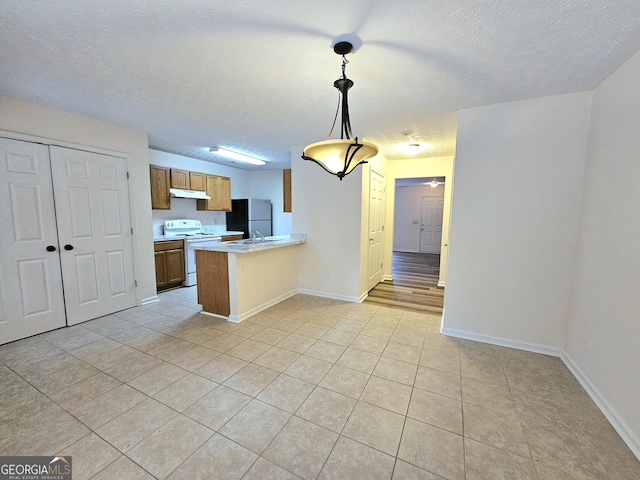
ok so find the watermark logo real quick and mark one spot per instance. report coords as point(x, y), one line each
point(35, 468)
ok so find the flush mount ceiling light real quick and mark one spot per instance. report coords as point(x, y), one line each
point(434, 183)
point(240, 157)
point(341, 157)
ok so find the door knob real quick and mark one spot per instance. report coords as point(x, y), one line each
point(68, 247)
point(51, 248)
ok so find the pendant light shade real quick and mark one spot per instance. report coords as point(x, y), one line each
point(341, 157)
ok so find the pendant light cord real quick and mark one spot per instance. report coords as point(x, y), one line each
point(344, 76)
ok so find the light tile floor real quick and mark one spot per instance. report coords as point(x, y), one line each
point(310, 388)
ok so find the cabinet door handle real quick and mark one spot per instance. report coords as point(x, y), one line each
point(51, 248)
point(68, 247)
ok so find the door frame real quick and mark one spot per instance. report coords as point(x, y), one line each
point(137, 247)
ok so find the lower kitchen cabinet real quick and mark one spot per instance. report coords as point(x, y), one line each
point(169, 257)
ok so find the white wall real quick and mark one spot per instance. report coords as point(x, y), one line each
point(413, 168)
point(603, 330)
point(408, 215)
point(269, 184)
point(31, 122)
point(329, 212)
point(518, 181)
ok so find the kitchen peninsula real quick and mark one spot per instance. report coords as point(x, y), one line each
point(241, 278)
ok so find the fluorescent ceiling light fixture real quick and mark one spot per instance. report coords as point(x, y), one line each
point(240, 157)
point(341, 157)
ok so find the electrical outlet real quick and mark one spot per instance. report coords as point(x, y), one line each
point(330, 277)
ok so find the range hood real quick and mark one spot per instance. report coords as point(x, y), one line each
point(177, 192)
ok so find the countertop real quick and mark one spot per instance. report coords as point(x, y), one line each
point(239, 246)
point(162, 238)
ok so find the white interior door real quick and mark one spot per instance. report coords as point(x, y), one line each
point(31, 299)
point(431, 224)
point(376, 229)
point(94, 227)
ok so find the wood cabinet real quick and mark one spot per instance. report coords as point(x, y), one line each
point(286, 189)
point(169, 259)
point(180, 179)
point(219, 189)
point(213, 282)
point(186, 180)
point(198, 181)
point(160, 184)
point(229, 238)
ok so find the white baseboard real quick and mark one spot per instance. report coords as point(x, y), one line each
point(334, 296)
point(502, 342)
point(264, 306)
point(616, 421)
point(441, 283)
point(387, 277)
point(148, 300)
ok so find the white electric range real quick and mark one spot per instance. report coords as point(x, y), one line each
point(191, 232)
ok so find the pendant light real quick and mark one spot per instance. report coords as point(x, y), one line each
point(341, 157)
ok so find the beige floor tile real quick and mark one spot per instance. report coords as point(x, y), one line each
point(286, 393)
point(72, 373)
point(376, 427)
point(185, 392)
point(76, 341)
point(149, 342)
point(352, 460)
point(172, 349)
point(247, 330)
point(328, 409)
point(194, 358)
point(221, 368)
point(133, 368)
point(406, 471)
point(218, 458)
point(497, 429)
point(483, 370)
point(358, 360)
point(264, 469)
point(255, 425)
point(312, 330)
point(217, 407)
point(270, 335)
point(92, 349)
point(329, 352)
point(277, 359)
point(158, 378)
point(165, 449)
point(123, 469)
point(439, 382)
point(308, 369)
point(200, 335)
point(483, 461)
point(85, 391)
point(251, 379)
point(288, 324)
point(436, 410)
point(435, 359)
point(113, 357)
point(377, 331)
point(433, 449)
point(108, 406)
point(404, 353)
point(89, 455)
point(296, 343)
point(396, 370)
point(224, 342)
point(412, 325)
point(301, 448)
point(383, 393)
point(50, 435)
point(248, 350)
point(346, 381)
point(407, 338)
point(339, 337)
point(351, 324)
point(369, 344)
point(127, 430)
point(488, 396)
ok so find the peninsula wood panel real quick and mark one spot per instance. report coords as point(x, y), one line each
point(286, 189)
point(212, 270)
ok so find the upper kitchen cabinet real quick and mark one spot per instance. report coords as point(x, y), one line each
point(186, 180)
point(219, 189)
point(160, 184)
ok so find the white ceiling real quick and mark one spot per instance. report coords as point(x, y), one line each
point(257, 75)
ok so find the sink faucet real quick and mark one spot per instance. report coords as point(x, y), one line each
point(257, 233)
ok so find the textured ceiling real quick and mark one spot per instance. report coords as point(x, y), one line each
point(257, 75)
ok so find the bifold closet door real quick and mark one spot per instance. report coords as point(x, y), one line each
point(31, 297)
point(94, 226)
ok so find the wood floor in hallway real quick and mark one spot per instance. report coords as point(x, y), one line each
point(414, 285)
